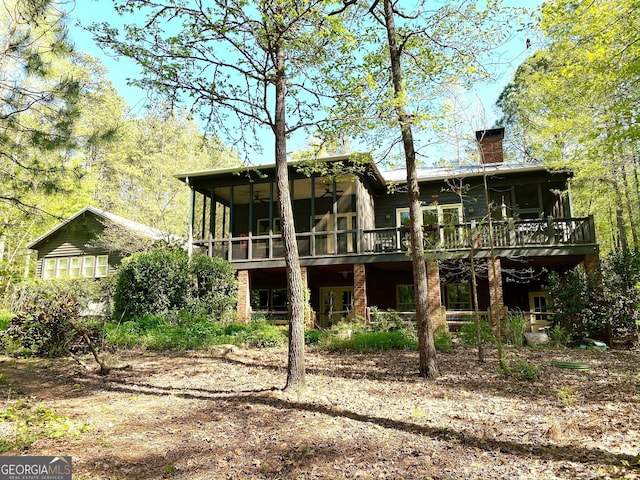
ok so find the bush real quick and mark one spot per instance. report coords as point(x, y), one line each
point(468, 335)
point(152, 283)
point(166, 282)
point(559, 336)
point(42, 324)
point(215, 288)
point(516, 325)
point(442, 340)
point(260, 334)
point(367, 341)
point(315, 337)
point(186, 332)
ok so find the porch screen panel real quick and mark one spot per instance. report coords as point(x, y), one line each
point(302, 212)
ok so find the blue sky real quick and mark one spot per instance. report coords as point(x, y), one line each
point(478, 104)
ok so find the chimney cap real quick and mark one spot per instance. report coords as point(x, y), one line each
point(489, 133)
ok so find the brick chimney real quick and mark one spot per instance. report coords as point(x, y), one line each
point(490, 144)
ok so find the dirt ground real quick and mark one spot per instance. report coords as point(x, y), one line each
point(216, 415)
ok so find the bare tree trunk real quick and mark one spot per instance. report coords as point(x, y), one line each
point(426, 346)
point(295, 367)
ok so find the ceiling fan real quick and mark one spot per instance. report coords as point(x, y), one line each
point(329, 192)
point(257, 198)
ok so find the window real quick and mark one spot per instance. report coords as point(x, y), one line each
point(102, 265)
point(279, 300)
point(458, 296)
point(263, 226)
point(88, 266)
point(260, 300)
point(75, 267)
point(445, 216)
point(405, 298)
point(62, 269)
point(49, 269)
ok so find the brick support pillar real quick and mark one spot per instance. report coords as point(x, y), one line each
point(360, 291)
point(496, 297)
point(437, 314)
point(244, 296)
point(309, 316)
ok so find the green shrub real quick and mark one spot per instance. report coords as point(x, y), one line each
point(215, 288)
point(168, 283)
point(42, 327)
point(367, 341)
point(468, 334)
point(516, 325)
point(559, 336)
point(389, 321)
point(260, 334)
point(5, 318)
point(526, 371)
point(153, 282)
point(45, 312)
point(442, 340)
point(315, 337)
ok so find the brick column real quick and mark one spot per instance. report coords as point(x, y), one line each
point(496, 297)
point(309, 319)
point(244, 297)
point(436, 312)
point(360, 291)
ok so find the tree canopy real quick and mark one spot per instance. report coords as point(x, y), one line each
point(575, 103)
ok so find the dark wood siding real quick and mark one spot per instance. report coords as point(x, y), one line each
point(73, 239)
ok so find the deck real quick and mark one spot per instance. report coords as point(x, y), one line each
point(461, 238)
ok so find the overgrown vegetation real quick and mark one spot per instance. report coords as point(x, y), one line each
point(47, 319)
point(468, 335)
point(187, 332)
point(165, 282)
point(601, 301)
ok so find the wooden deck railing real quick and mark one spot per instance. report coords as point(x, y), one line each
point(506, 234)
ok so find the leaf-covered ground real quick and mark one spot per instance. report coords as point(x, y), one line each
point(209, 415)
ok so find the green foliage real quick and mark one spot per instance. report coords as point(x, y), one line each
point(260, 334)
point(187, 332)
point(522, 370)
point(373, 341)
point(44, 312)
point(28, 423)
point(578, 302)
point(621, 283)
point(516, 325)
point(165, 282)
point(215, 288)
point(468, 336)
point(153, 282)
point(315, 337)
point(389, 321)
point(443, 340)
point(5, 318)
point(559, 336)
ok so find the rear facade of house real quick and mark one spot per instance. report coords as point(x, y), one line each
point(514, 221)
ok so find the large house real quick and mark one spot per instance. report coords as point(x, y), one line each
point(70, 249)
point(352, 235)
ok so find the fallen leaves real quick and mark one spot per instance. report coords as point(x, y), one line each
point(362, 416)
